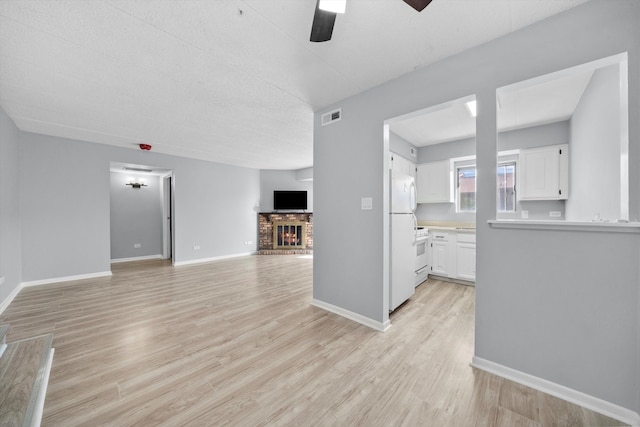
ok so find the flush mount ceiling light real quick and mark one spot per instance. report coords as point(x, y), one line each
point(334, 6)
point(472, 107)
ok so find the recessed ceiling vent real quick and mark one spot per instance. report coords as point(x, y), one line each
point(332, 117)
point(127, 168)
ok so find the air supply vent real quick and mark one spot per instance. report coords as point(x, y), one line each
point(413, 152)
point(331, 117)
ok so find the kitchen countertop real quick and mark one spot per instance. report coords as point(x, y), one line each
point(460, 227)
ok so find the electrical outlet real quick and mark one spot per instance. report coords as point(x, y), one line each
point(366, 203)
point(196, 247)
point(555, 214)
point(248, 242)
point(525, 214)
point(137, 245)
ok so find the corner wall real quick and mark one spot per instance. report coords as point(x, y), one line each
point(285, 180)
point(10, 224)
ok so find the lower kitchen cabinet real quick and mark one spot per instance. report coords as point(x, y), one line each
point(466, 261)
point(453, 255)
point(440, 245)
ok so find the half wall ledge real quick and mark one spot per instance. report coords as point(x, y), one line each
point(606, 227)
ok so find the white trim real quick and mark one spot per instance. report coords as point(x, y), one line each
point(378, 326)
point(610, 227)
point(216, 258)
point(37, 414)
point(14, 293)
point(136, 258)
point(587, 401)
point(65, 279)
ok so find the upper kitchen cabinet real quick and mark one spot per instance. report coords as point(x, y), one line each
point(401, 165)
point(435, 182)
point(544, 173)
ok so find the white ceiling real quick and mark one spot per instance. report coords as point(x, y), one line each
point(232, 81)
point(544, 100)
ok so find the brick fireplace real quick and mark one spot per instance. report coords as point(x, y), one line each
point(285, 233)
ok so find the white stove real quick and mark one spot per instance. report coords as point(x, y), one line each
point(422, 232)
point(422, 254)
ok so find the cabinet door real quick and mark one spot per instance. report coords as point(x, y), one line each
point(544, 173)
point(434, 182)
point(440, 258)
point(402, 165)
point(466, 261)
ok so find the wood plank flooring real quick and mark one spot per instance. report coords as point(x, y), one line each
point(236, 342)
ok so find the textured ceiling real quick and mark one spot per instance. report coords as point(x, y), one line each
point(231, 81)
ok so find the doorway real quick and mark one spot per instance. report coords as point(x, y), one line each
point(141, 212)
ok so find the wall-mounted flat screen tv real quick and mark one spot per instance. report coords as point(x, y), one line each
point(289, 200)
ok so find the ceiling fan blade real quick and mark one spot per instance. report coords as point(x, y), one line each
point(418, 4)
point(322, 27)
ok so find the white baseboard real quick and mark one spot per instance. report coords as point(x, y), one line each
point(14, 293)
point(136, 258)
point(590, 402)
point(65, 279)
point(217, 258)
point(378, 326)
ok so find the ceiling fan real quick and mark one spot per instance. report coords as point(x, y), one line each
point(326, 11)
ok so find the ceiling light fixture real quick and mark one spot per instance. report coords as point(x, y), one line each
point(136, 182)
point(334, 6)
point(472, 107)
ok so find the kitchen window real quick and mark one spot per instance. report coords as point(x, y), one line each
point(506, 194)
point(466, 188)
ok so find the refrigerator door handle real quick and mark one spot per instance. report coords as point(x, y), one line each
point(415, 229)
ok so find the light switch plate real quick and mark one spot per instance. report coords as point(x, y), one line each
point(525, 214)
point(555, 214)
point(367, 203)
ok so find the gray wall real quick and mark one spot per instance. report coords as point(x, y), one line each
point(286, 180)
point(402, 147)
point(10, 226)
point(65, 206)
point(595, 150)
point(136, 216)
point(539, 308)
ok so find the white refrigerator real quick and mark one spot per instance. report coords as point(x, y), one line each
point(402, 225)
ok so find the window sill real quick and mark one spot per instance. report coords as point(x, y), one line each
point(607, 227)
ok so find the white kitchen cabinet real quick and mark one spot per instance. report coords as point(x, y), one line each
point(434, 182)
point(441, 259)
point(402, 165)
point(544, 173)
point(466, 257)
point(453, 254)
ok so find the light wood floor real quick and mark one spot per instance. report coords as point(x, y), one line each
point(237, 342)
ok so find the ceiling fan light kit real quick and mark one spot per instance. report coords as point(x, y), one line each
point(326, 11)
point(335, 6)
